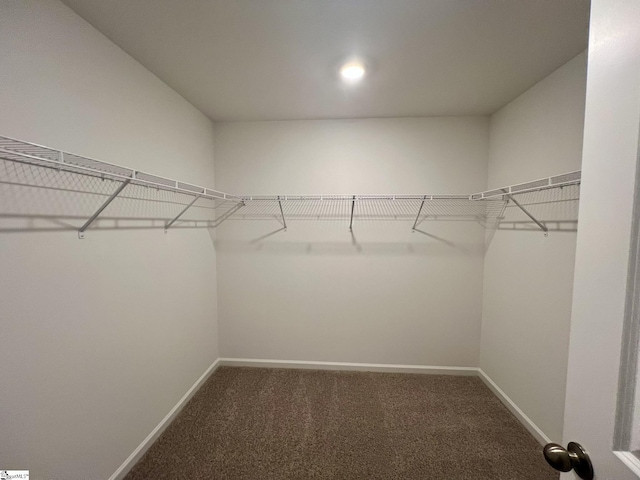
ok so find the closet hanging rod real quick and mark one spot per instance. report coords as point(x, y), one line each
point(33, 154)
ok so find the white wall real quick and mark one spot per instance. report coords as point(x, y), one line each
point(100, 337)
point(528, 278)
point(311, 293)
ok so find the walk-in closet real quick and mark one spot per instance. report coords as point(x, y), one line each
point(319, 239)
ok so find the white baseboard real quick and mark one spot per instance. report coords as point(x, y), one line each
point(513, 408)
point(362, 367)
point(137, 454)
point(630, 460)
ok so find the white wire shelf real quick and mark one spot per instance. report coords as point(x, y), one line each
point(486, 208)
point(371, 209)
point(566, 179)
point(38, 155)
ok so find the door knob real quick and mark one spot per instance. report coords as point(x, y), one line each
point(574, 457)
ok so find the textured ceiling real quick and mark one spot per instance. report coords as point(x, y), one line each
point(278, 59)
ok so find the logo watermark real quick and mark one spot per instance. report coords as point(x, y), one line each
point(14, 474)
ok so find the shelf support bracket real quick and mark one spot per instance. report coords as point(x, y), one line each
point(542, 227)
point(353, 206)
point(415, 224)
point(168, 224)
point(226, 215)
point(284, 222)
point(102, 207)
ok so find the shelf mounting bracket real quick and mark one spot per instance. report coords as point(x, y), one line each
point(284, 222)
point(353, 206)
point(168, 224)
point(102, 207)
point(228, 214)
point(415, 224)
point(542, 227)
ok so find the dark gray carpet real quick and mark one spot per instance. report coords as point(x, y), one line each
point(255, 423)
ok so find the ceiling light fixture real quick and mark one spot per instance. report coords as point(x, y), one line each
point(352, 72)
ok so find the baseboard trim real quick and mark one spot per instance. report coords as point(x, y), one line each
point(362, 367)
point(514, 409)
point(137, 454)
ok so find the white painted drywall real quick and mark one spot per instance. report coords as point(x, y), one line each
point(528, 278)
point(313, 293)
point(100, 337)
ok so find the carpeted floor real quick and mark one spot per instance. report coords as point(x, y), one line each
point(259, 424)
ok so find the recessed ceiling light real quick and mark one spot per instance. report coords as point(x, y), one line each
point(352, 72)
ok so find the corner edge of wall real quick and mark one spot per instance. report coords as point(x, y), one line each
point(531, 427)
point(137, 454)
